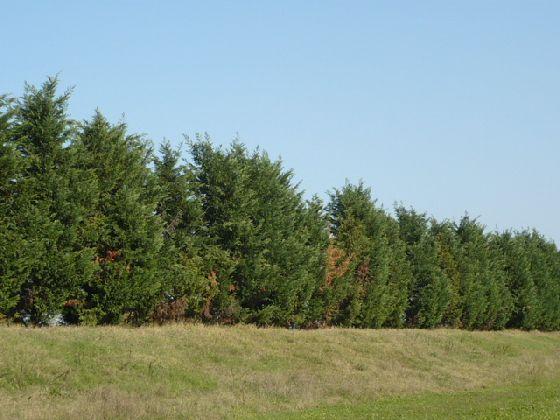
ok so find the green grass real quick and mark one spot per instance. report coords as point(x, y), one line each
point(195, 371)
point(540, 401)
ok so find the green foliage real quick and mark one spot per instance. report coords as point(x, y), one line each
point(13, 261)
point(486, 300)
point(448, 254)
point(430, 291)
point(533, 277)
point(375, 293)
point(96, 228)
point(122, 227)
point(274, 242)
point(48, 204)
point(184, 266)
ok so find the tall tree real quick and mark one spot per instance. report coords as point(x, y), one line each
point(184, 264)
point(430, 291)
point(376, 294)
point(448, 248)
point(255, 214)
point(50, 204)
point(533, 278)
point(127, 233)
point(13, 257)
point(486, 300)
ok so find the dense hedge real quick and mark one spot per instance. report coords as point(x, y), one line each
point(96, 228)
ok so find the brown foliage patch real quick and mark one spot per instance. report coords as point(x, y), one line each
point(110, 256)
point(172, 311)
point(73, 303)
point(207, 307)
point(338, 264)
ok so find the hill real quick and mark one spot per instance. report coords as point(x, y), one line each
point(198, 371)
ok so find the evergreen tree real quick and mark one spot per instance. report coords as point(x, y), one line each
point(13, 258)
point(377, 291)
point(50, 205)
point(126, 232)
point(486, 300)
point(430, 291)
point(533, 278)
point(448, 250)
point(517, 265)
point(545, 264)
point(184, 264)
point(257, 217)
point(317, 234)
point(401, 276)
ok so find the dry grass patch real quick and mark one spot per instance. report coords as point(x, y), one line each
point(194, 370)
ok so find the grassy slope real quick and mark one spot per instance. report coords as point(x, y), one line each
point(198, 371)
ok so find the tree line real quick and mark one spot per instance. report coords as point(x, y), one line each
point(96, 228)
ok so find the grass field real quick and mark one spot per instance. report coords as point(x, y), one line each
point(194, 371)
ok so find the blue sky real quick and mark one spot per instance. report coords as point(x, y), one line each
point(443, 105)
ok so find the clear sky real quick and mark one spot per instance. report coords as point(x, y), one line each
point(443, 105)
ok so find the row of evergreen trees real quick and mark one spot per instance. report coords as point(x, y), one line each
point(96, 228)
